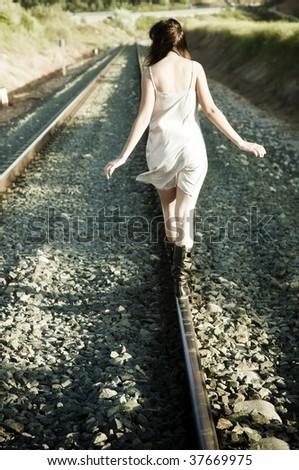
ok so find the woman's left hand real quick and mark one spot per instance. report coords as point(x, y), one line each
point(111, 166)
point(252, 147)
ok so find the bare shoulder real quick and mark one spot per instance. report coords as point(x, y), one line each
point(198, 68)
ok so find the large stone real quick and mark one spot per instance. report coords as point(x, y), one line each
point(262, 407)
point(270, 443)
point(100, 439)
point(213, 308)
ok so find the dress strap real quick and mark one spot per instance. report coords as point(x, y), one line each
point(191, 76)
point(152, 78)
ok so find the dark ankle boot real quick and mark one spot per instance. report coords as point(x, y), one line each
point(169, 247)
point(181, 271)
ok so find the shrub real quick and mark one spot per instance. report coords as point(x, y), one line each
point(27, 21)
point(6, 19)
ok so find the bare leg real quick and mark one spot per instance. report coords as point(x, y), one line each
point(168, 203)
point(182, 255)
point(184, 214)
point(178, 210)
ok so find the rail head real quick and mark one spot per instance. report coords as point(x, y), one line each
point(204, 423)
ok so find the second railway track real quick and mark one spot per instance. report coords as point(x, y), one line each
point(25, 137)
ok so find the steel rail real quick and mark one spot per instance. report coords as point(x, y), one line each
point(18, 165)
point(204, 424)
point(203, 419)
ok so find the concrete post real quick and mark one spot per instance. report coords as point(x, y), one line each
point(3, 97)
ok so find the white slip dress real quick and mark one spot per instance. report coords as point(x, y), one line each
point(175, 151)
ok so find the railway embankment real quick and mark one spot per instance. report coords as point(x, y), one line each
point(258, 59)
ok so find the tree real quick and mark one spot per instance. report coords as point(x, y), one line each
point(34, 3)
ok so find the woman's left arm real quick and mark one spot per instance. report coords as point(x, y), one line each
point(216, 116)
point(139, 126)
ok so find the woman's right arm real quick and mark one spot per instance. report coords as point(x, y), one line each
point(217, 117)
point(139, 126)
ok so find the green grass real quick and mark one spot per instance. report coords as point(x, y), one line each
point(43, 27)
point(242, 40)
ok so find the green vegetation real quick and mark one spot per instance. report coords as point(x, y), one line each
point(19, 26)
point(240, 40)
point(98, 5)
point(44, 25)
point(257, 58)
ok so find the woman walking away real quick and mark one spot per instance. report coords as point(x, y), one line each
point(172, 85)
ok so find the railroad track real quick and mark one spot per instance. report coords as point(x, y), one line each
point(204, 426)
point(66, 108)
point(206, 433)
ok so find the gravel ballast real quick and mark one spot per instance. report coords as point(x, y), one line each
point(247, 262)
point(86, 295)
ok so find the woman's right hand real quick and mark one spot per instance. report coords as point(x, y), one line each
point(111, 166)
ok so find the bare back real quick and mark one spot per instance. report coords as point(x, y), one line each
point(172, 74)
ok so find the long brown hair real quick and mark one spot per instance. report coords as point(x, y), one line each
point(166, 35)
